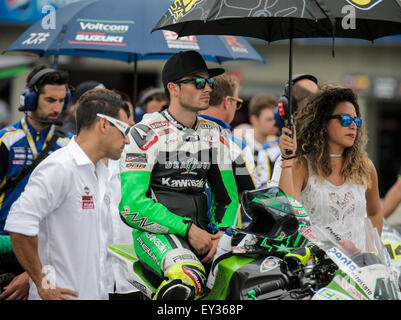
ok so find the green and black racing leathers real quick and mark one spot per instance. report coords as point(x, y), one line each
point(164, 172)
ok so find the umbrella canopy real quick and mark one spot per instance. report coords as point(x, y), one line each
point(272, 20)
point(121, 30)
point(285, 19)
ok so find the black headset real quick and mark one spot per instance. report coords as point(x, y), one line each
point(282, 111)
point(29, 97)
point(284, 99)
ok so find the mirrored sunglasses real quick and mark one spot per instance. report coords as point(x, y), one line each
point(120, 125)
point(199, 82)
point(346, 120)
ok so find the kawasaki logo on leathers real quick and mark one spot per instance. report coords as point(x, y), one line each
point(183, 183)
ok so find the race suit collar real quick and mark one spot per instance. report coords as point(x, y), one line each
point(220, 122)
point(165, 113)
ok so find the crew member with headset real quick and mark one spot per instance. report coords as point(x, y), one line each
point(22, 146)
point(151, 100)
point(303, 87)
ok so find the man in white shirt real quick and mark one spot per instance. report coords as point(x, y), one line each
point(56, 225)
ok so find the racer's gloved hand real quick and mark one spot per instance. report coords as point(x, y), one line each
point(296, 258)
point(300, 257)
point(317, 253)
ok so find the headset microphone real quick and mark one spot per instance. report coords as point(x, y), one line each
point(47, 122)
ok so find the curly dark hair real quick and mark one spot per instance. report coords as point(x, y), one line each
point(312, 136)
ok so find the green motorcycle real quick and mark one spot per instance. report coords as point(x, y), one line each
point(253, 263)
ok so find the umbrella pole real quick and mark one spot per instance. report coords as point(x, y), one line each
point(59, 41)
point(289, 124)
point(290, 71)
point(55, 61)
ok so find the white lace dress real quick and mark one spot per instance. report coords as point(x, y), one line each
point(329, 204)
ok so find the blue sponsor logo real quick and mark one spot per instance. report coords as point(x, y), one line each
point(343, 259)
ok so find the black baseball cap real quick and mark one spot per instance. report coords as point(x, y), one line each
point(301, 76)
point(83, 87)
point(185, 63)
point(298, 77)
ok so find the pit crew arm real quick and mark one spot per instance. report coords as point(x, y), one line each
point(3, 161)
point(243, 165)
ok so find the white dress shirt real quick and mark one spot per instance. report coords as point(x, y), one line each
point(117, 231)
point(62, 205)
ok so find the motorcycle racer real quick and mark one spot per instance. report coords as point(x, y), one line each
point(171, 157)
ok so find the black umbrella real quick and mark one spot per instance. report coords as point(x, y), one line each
point(273, 20)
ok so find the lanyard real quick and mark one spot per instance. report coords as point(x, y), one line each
point(31, 143)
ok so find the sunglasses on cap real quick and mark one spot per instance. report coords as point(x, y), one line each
point(238, 101)
point(199, 82)
point(122, 126)
point(346, 120)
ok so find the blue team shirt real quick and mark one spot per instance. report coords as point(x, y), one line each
point(14, 154)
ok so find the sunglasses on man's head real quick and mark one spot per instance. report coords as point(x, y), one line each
point(346, 120)
point(120, 125)
point(199, 82)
